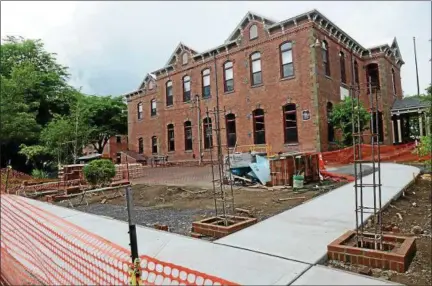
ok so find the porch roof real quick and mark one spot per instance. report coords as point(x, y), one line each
point(408, 105)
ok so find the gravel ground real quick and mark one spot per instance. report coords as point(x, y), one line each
point(178, 220)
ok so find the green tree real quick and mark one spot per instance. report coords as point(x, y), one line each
point(34, 90)
point(105, 116)
point(99, 172)
point(342, 116)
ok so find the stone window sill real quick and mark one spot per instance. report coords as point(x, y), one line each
point(287, 78)
point(257, 85)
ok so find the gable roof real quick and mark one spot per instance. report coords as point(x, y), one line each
point(408, 103)
point(245, 21)
point(180, 48)
point(148, 77)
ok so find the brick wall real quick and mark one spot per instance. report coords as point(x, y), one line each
point(309, 89)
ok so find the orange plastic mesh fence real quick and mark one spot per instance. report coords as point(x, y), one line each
point(397, 153)
point(38, 247)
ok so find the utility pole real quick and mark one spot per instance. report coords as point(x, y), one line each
point(197, 100)
point(415, 59)
point(76, 128)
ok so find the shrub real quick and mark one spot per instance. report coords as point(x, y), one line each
point(39, 174)
point(99, 172)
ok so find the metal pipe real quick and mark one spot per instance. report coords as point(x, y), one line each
point(379, 182)
point(351, 90)
point(132, 228)
point(197, 98)
point(374, 134)
point(211, 163)
point(415, 60)
point(229, 168)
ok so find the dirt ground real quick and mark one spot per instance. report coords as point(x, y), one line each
point(178, 207)
point(415, 210)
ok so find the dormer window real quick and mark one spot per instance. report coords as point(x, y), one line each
point(253, 32)
point(185, 58)
point(150, 85)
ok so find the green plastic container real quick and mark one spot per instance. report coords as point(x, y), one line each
point(298, 181)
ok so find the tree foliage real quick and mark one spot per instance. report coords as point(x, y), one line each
point(342, 117)
point(99, 172)
point(34, 90)
point(105, 117)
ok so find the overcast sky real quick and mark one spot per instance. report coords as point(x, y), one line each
point(110, 46)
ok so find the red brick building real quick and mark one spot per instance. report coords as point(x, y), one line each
point(276, 81)
point(113, 148)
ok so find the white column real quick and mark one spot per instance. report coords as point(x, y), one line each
point(393, 133)
point(428, 127)
point(421, 123)
point(399, 130)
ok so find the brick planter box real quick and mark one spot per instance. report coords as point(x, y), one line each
point(214, 226)
point(396, 255)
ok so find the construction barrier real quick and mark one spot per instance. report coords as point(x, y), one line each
point(39, 248)
point(388, 153)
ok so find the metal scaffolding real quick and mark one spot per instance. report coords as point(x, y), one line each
point(223, 197)
point(363, 190)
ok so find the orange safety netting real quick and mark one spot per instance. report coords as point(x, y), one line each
point(39, 248)
point(388, 153)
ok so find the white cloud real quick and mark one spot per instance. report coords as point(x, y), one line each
point(110, 46)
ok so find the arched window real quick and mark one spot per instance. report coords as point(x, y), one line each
point(140, 110)
point(231, 130)
point(153, 110)
point(325, 58)
point(208, 135)
point(186, 89)
point(169, 94)
point(185, 58)
point(342, 67)
point(140, 145)
point(171, 140)
point(330, 128)
point(394, 81)
point(205, 83)
point(228, 77)
point(372, 77)
point(290, 123)
point(287, 68)
point(356, 73)
point(253, 32)
point(259, 126)
point(188, 135)
point(256, 74)
point(154, 145)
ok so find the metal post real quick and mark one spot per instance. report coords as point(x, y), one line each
point(415, 60)
point(352, 91)
point(229, 171)
point(132, 227)
point(7, 176)
point(379, 232)
point(212, 167)
point(197, 98)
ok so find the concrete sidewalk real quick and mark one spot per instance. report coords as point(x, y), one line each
point(303, 233)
